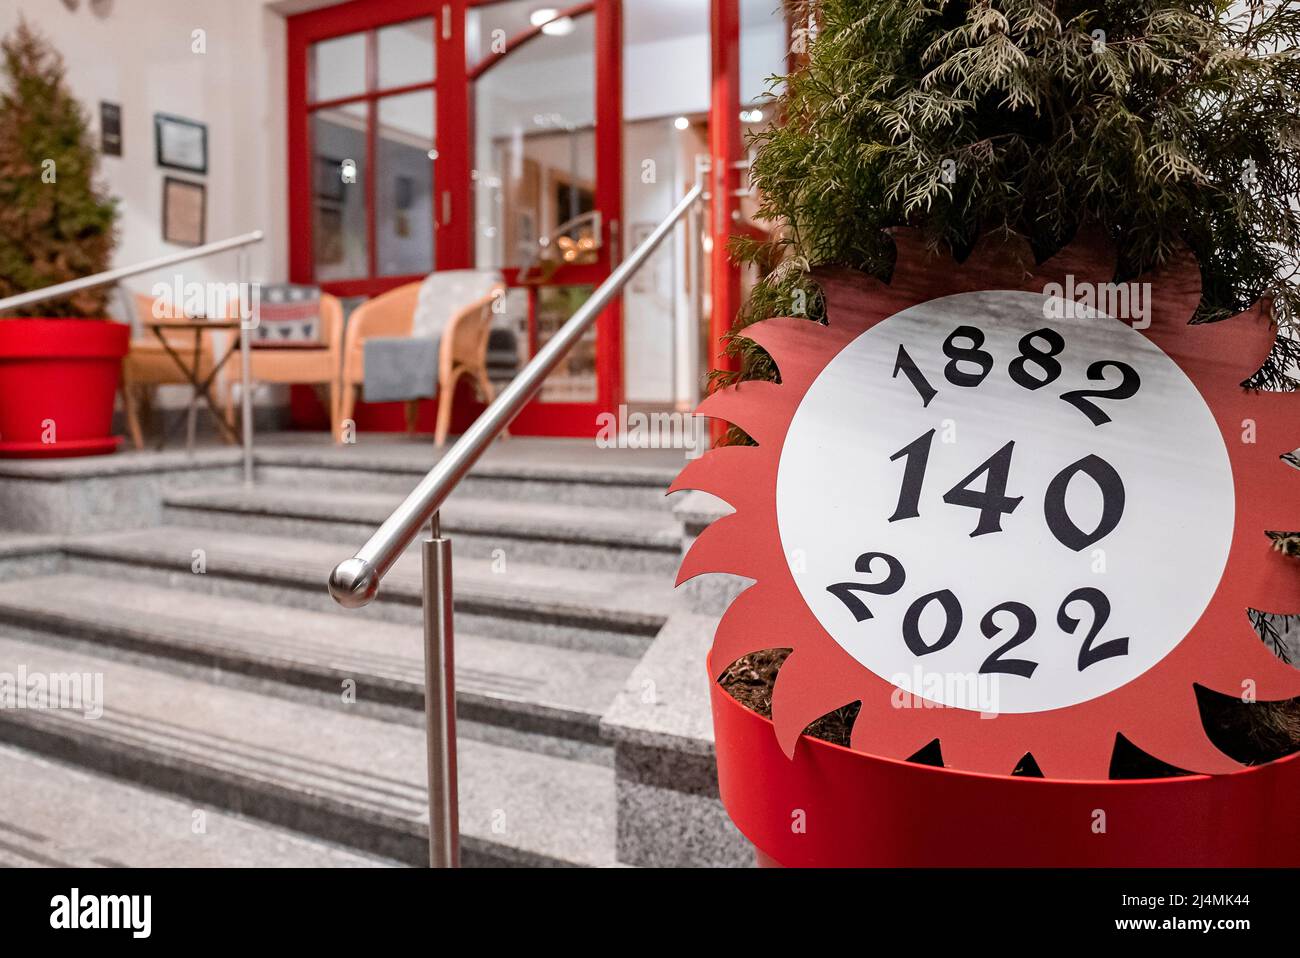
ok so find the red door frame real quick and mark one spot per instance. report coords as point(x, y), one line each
point(726, 149)
point(452, 170)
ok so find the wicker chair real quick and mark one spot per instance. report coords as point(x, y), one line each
point(462, 348)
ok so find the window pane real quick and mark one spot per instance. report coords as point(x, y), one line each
point(338, 67)
point(406, 54)
point(535, 146)
point(339, 193)
point(665, 59)
point(763, 45)
point(404, 194)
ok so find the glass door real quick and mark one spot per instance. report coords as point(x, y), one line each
point(544, 136)
point(467, 134)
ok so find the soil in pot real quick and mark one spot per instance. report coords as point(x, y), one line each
point(1253, 734)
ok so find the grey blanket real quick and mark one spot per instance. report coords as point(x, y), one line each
point(406, 367)
point(401, 368)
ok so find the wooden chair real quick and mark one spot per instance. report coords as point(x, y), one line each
point(462, 350)
point(148, 365)
point(309, 365)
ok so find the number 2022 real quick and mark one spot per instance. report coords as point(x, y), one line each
point(1026, 623)
point(993, 502)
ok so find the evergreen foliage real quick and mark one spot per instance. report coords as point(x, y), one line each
point(55, 223)
point(1156, 121)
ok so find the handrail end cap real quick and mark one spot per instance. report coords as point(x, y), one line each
point(354, 583)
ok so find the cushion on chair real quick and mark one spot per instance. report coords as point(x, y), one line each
point(444, 293)
point(289, 318)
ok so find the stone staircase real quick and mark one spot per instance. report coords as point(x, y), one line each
point(235, 691)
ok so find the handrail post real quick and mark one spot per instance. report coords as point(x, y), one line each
point(246, 361)
point(440, 700)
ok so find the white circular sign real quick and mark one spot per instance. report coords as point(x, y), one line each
point(985, 506)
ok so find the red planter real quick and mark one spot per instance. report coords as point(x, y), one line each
point(857, 810)
point(58, 380)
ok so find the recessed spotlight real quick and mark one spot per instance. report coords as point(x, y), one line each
point(542, 15)
point(681, 123)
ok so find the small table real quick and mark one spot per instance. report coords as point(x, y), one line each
point(191, 372)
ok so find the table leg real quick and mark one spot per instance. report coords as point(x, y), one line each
point(190, 375)
point(227, 428)
point(193, 412)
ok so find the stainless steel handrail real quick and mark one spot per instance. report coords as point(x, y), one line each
point(355, 582)
point(123, 272)
point(111, 276)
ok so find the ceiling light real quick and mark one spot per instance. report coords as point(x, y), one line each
point(545, 17)
point(681, 123)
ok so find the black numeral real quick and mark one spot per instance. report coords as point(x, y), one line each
point(891, 583)
point(1127, 388)
point(971, 354)
point(1044, 359)
point(1100, 615)
point(907, 366)
point(1026, 623)
point(951, 626)
point(993, 502)
point(917, 454)
point(1112, 503)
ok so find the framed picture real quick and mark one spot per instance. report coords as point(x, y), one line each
point(180, 144)
point(184, 209)
point(110, 128)
point(329, 178)
point(329, 235)
point(403, 192)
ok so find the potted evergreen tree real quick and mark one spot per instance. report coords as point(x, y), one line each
point(60, 365)
point(1166, 131)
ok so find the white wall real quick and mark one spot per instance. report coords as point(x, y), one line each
point(140, 57)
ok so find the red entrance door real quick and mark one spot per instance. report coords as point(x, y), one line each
point(471, 133)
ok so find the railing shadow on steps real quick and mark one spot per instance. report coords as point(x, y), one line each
point(355, 581)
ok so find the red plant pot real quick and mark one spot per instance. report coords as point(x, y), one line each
point(832, 807)
point(58, 380)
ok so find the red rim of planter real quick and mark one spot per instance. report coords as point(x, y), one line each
point(859, 810)
point(36, 337)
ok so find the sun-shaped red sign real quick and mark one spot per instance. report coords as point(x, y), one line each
point(999, 511)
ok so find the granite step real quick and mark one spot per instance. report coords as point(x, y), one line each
point(596, 610)
point(573, 472)
point(528, 686)
point(577, 536)
point(55, 815)
point(326, 772)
